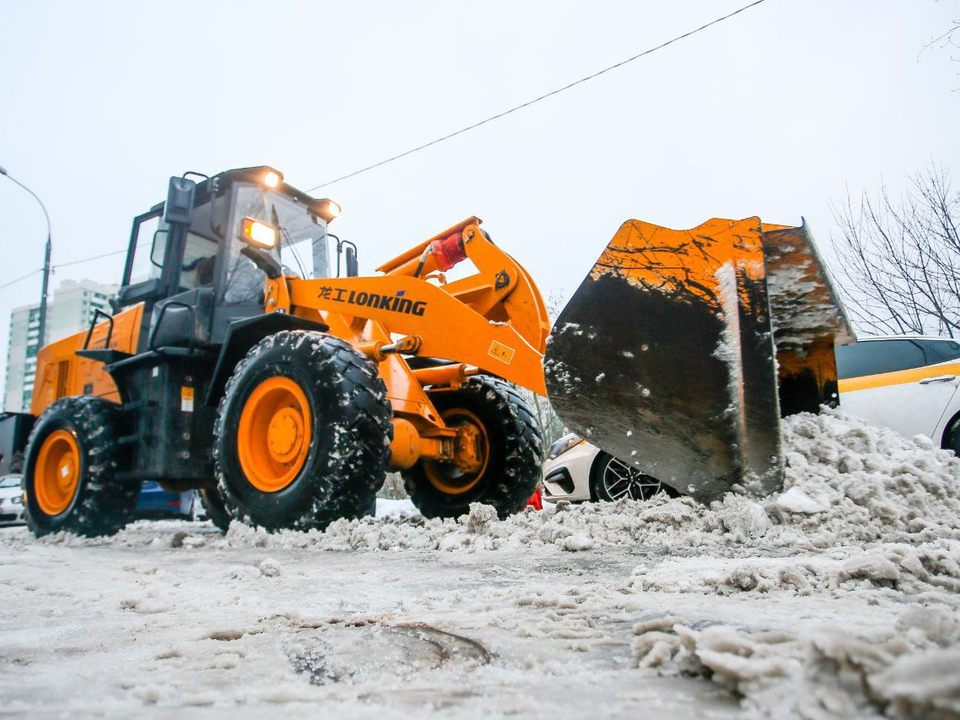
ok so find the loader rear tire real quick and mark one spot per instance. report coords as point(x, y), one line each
point(214, 508)
point(514, 452)
point(302, 434)
point(70, 466)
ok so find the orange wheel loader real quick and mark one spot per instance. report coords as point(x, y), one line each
point(284, 394)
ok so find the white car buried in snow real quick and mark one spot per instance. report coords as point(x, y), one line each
point(575, 470)
point(908, 384)
point(11, 500)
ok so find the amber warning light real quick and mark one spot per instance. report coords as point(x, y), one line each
point(257, 233)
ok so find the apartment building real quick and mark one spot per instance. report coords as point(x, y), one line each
point(71, 309)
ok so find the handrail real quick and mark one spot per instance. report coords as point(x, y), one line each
point(93, 323)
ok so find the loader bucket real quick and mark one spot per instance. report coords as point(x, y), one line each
point(667, 355)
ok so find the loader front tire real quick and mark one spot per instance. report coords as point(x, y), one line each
point(511, 452)
point(69, 471)
point(302, 434)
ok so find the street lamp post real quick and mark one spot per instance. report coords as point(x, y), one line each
point(46, 261)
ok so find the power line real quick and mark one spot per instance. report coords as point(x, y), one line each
point(94, 257)
point(63, 265)
point(535, 100)
point(463, 130)
point(22, 277)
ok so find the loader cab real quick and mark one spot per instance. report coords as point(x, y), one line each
point(185, 259)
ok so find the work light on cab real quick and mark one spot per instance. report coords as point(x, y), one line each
point(259, 234)
point(272, 178)
point(328, 209)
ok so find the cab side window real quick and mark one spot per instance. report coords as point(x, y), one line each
point(199, 259)
point(879, 356)
point(143, 268)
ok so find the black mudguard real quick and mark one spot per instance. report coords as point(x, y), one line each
point(243, 335)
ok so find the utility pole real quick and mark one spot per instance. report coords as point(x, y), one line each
point(46, 261)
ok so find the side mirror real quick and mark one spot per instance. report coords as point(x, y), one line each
point(353, 267)
point(179, 203)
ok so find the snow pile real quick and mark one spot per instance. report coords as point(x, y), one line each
point(912, 672)
point(847, 484)
point(864, 512)
point(874, 484)
point(896, 566)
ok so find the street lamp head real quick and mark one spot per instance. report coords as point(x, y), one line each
point(3, 170)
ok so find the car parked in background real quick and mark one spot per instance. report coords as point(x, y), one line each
point(908, 384)
point(575, 470)
point(11, 500)
point(155, 502)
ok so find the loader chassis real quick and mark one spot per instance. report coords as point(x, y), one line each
point(223, 351)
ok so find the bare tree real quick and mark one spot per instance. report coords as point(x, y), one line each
point(900, 258)
point(948, 40)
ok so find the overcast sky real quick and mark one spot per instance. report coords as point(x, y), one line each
point(773, 113)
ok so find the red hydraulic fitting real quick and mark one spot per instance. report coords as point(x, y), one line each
point(449, 251)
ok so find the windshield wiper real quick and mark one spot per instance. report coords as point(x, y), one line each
point(284, 234)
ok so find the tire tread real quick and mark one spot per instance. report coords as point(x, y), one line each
point(104, 505)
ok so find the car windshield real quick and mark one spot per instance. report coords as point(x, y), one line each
point(8, 481)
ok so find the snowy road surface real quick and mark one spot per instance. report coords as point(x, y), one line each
point(113, 629)
point(837, 598)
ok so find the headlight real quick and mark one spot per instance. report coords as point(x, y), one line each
point(257, 233)
point(567, 442)
point(17, 500)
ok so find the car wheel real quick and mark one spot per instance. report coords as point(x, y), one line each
point(611, 480)
point(951, 438)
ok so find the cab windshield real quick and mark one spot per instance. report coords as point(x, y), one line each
point(302, 248)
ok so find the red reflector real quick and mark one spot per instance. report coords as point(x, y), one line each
point(172, 503)
point(448, 251)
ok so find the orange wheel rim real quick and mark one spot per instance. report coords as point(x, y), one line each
point(57, 472)
point(273, 439)
point(446, 476)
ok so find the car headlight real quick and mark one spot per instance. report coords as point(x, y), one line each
point(567, 442)
point(17, 500)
